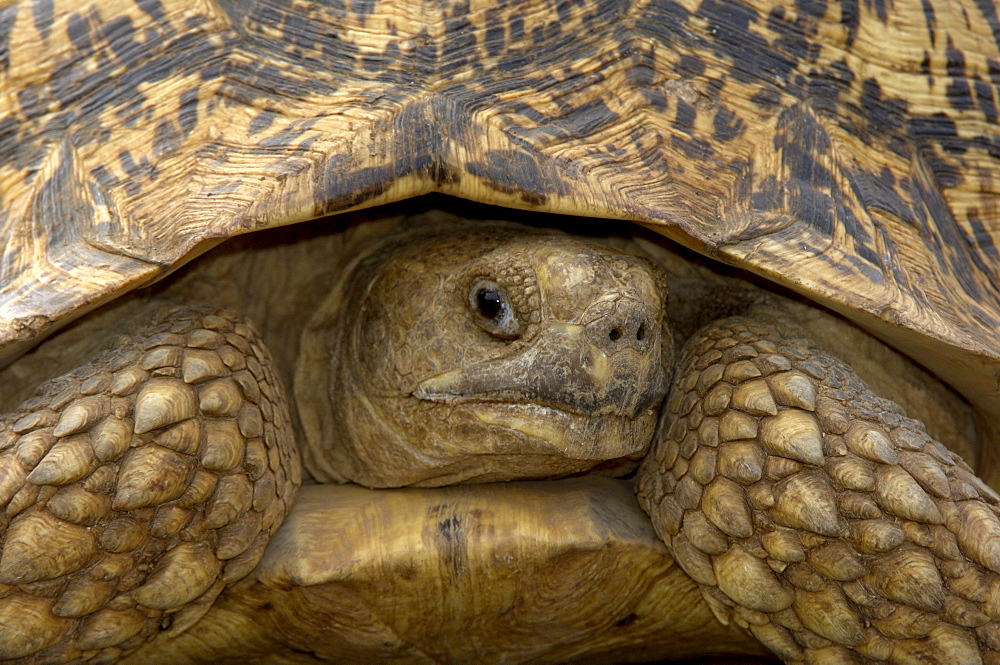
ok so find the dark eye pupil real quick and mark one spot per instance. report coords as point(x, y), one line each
point(489, 302)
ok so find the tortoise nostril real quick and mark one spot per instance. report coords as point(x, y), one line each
point(640, 334)
point(615, 334)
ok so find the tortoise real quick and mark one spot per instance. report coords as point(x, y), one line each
point(784, 140)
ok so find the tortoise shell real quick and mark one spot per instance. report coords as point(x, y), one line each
point(849, 151)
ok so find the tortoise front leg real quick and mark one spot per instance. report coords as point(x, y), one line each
point(135, 488)
point(816, 515)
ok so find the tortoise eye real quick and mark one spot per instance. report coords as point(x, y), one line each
point(492, 309)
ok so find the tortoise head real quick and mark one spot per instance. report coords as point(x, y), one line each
point(492, 354)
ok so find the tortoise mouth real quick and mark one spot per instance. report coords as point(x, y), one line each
point(511, 403)
point(556, 427)
point(545, 429)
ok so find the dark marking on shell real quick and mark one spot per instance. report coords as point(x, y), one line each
point(495, 31)
point(78, 31)
point(751, 56)
point(988, 9)
point(60, 197)
point(813, 8)
point(119, 33)
point(879, 192)
point(188, 112)
point(165, 137)
point(153, 8)
point(981, 236)
point(262, 121)
point(515, 172)
point(127, 163)
point(850, 17)
point(960, 94)
point(880, 112)
point(685, 115)
point(793, 36)
point(984, 97)
point(8, 15)
point(930, 20)
point(939, 128)
point(767, 98)
point(42, 14)
point(583, 120)
point(880, 9)
point(344, 188)
point(691, 66)
point(363, 8)
point(237, 10)
point(727, 125)
point(696, 148)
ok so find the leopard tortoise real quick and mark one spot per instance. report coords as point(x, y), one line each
point(849, 153)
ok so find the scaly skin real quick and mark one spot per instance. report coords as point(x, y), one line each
point(137, 487)
point(815, 514)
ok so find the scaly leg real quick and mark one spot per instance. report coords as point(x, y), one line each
point(135, 488)
point(815, 514)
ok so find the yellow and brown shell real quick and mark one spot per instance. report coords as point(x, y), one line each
point(850, 151)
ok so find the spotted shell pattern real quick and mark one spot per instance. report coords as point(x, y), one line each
point(848, 150)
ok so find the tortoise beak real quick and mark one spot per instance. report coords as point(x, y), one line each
point(610, 365)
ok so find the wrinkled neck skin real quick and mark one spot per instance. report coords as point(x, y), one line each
point(411, 375)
